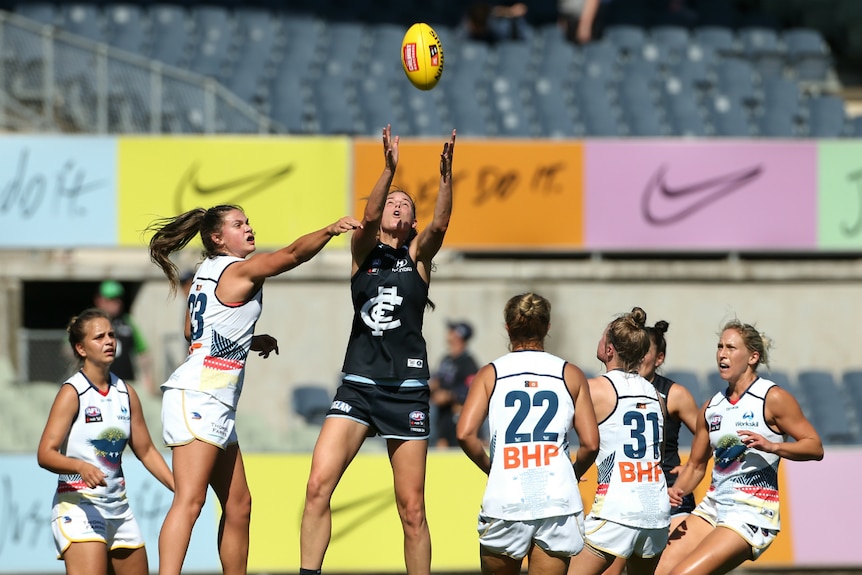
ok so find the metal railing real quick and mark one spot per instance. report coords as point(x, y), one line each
point(53, 81)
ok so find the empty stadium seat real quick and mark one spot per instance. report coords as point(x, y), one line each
point(311, 402)
point(738, 81)
point(718, 38)
point(42, 12)
point(689, 380)
point(554, 107)
point(214, 37)
point(729, 118)
point(170, 34)
point(84, 20)
point(127, 28)
point(808, 54)
point(826, 117)
point(258, 34)
point(289, 96)
point(468, 113)
point(776, 123)
point(715, 384)
point(332, 99)
point(852, 380)
point(672, 41)
point(762, 47)
point(628, 39)
point(827, 406)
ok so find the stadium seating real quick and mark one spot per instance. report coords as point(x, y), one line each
point(311, 402)
point(689, 380)
point(728, 76)
point(827, 406)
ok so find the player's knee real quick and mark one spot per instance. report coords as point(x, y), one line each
point(238, 508)
point(412, 516)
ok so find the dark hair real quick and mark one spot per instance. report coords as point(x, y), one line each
point(173, 234)
point(656, 335)
point(753, 339)
point(629, 337)
point(528, 318)
point(77, 328)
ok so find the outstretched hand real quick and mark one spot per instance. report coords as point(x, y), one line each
point(265, 344)
point(390, 148)
point(446, 158)
point(344, 224)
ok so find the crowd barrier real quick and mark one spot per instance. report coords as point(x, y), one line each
point(818, 500)
point(592, 195)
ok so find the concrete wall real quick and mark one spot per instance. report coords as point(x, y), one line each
point(810, 310)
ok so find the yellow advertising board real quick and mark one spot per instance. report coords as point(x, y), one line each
point(366, 531)
point(287, 186)
point(507, 194)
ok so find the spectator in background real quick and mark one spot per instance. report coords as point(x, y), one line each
point(492, 23)
point(449, 386)
point(580, 20)
point(132, 361)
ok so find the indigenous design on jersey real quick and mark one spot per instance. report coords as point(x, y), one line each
point(223, 364)
point(530, 414)
point(99, 435)
point(740, 475)
point(631, 486)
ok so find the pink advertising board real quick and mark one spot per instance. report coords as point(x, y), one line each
point(679, 195)
point(826, 507)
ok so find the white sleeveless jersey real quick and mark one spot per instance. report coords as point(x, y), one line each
point(740, 476)
point(98, 435)
point(221, 336)
point(631, 489)
point(530, 414)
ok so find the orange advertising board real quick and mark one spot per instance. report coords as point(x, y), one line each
point(507, 194)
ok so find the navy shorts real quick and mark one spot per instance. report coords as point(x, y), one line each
point(392, 412)
point(686, 507)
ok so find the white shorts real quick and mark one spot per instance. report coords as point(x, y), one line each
point(76, 520)
point(624, 541)
point(737, 519)
point(563, 535)
point(188, 415)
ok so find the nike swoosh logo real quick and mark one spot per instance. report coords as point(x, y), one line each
point(692, 198)
point(233, 191)
point(367, 506)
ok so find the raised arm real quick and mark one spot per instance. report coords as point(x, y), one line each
point(473, 414)
point(244, 278)
point(430, 240)
point(365, 238)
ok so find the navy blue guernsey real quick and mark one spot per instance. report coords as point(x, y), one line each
point(389, 300)
point(670, 458)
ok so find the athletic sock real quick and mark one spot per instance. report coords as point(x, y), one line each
point(309, 571)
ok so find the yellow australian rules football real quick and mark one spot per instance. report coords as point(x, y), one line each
point(422, 56)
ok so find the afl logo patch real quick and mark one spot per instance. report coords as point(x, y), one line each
point(417, 416)
point(92, 414)
point(715, 423)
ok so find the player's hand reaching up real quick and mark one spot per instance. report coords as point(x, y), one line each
point(390, 148)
